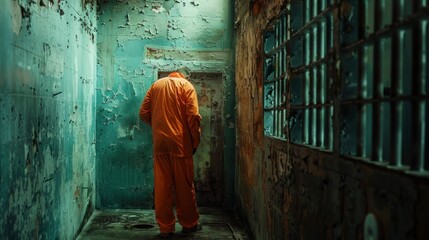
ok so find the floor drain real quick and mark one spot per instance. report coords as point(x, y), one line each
point(142, 226)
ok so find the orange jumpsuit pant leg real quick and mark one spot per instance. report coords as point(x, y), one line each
point(164, 193)
point(186, 207)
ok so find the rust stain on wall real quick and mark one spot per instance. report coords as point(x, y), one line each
point(256, 6)
point(249, 29)
point(299, 192)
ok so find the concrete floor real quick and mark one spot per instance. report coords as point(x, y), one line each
point(141, 224)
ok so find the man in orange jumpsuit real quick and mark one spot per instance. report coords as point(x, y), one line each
point(171, 109)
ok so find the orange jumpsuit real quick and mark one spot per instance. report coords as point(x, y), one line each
point(171, 109)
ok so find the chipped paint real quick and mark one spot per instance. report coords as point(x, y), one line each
point(158, 8)
point(187, 55)
point(47, 117)
point(53, 61)
point(17, 17)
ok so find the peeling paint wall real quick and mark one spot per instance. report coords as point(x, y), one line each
point(136, 41)
point(294, 192)
point(47, 118)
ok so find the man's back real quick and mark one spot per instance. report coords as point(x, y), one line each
point(173, 105)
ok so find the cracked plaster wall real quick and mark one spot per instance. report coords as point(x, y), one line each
point(47, 118)
point(136, 40)
point(293, 192)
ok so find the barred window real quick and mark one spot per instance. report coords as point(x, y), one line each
point(298, 46)
point(275, 79)
point(351, 78)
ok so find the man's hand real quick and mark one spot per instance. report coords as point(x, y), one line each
point(193, 151)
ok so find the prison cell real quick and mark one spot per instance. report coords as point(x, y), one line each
point(345, 103)
point(354, 78)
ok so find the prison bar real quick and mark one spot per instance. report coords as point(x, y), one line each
point(396, 120)
point(390, 29)
point(417, 120)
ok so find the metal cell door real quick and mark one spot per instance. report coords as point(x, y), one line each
point(208, 160)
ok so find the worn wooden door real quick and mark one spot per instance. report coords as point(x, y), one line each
point(208, 160)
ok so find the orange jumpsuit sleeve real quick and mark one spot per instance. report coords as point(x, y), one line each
point(145, 113)
point(193, 116)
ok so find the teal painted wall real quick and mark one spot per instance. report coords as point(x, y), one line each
point(136, 40)
point(47, 118)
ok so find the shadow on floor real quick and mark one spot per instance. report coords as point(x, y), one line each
point(141, 224)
